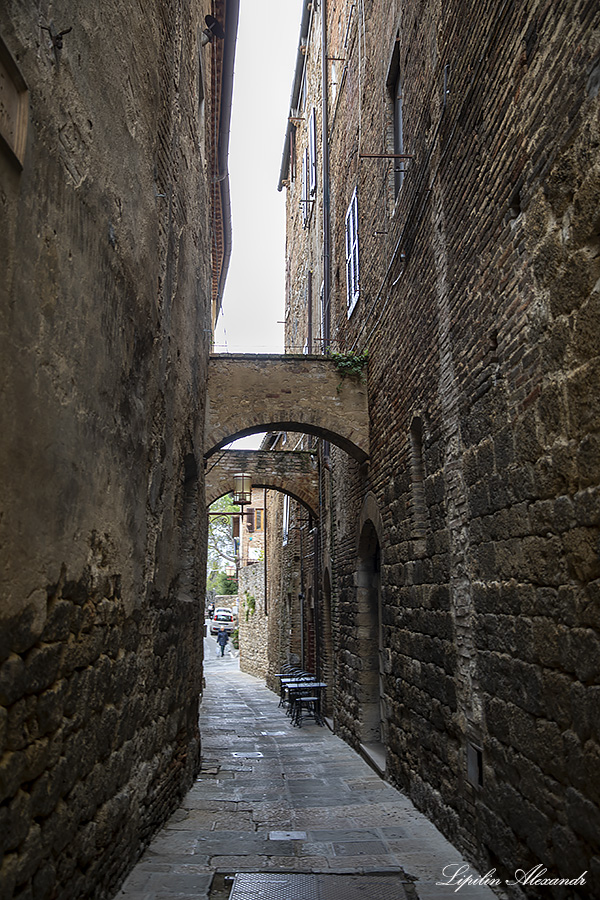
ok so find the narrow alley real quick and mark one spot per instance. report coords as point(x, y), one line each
point(365, 442)
point(273, 799)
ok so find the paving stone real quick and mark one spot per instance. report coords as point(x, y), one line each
point(190, 883)
point(350, 835)
point(359, 848)
point(308, 782)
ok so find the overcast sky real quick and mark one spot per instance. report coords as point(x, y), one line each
point(264, 67)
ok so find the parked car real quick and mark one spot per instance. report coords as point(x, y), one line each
point(224, 617)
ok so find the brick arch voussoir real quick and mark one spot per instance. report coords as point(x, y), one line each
point(329, 427)
point(295, 495)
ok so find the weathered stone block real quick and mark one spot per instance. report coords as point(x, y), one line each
point(570, 857)
point(497, 718)
point(42, 665)
point(555, 474)
point(49, 708)
point(504, 450)
point(12, 680)
point(548, 257)
point(584, 400)
point(580, 653)
point(522, 483)
point(581, 550)
point(8, 875)
point(479, 501)
point(557, 691)
point(545, 641)
point(18, 821)
point(44, 881)
point(22, 725)
point(58, 623)
point(30, 854)
point(543, 560)
point(587, 507)
point(587, 325)
point(572, 286)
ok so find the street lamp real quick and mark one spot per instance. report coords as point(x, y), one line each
point(242, 489)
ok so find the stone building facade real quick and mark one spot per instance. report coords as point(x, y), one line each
point(114, 242)
point(448, 228)
point(253, 620)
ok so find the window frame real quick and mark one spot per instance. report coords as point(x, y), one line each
point(304, 196)
point(285, 519)
point(396, 93)
point(312, 153)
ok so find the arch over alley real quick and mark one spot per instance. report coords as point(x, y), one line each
point(293, 472)
point(251, 393)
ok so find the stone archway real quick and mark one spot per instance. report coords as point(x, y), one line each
point(253, 393)
point(291, 472)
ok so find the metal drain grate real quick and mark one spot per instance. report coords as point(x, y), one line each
point(306, 886)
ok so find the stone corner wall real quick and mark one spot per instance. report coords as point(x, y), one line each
point(253, 623)
point(99, 729)
point(104, 320)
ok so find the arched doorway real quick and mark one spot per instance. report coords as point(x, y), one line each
point(372, 719)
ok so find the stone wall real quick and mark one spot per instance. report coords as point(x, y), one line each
point(253, 620)
point(104, 336)
point(476, 523)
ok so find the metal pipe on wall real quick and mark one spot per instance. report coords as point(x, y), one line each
point(325, 157)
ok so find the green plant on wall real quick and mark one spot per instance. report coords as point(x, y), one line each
point(249, 604)
point(350, 365)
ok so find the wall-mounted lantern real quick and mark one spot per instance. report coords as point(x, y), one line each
point(242, 489)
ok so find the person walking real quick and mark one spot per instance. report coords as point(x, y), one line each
point(222, 639)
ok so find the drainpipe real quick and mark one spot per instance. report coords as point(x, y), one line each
point(325, 152)
point(266, 583)
point(222, 150)
point(301, 598)
point(316, 597)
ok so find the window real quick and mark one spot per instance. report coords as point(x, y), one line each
point(292, 154)
point(305, 201)
point(394, 83)
point(309, 170)
point(312, 153)
point(474, 765)
point(286, 518)
point(352, 280)
point(258, 520)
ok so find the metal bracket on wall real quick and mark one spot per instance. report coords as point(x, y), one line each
point(56, 37)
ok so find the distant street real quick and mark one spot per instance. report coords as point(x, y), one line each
point(213, 662)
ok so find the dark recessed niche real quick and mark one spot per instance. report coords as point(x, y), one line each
point(515, 204)
point(474, 765)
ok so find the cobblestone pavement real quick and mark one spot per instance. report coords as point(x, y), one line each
point(272, 798)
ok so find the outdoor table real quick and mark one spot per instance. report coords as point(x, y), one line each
point(286, 677)
point(307, 690)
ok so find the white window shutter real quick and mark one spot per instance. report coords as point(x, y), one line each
point(305, 199)
point(352, 261)
point(312, 151)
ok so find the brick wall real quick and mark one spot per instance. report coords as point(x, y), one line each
point(478, 303)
